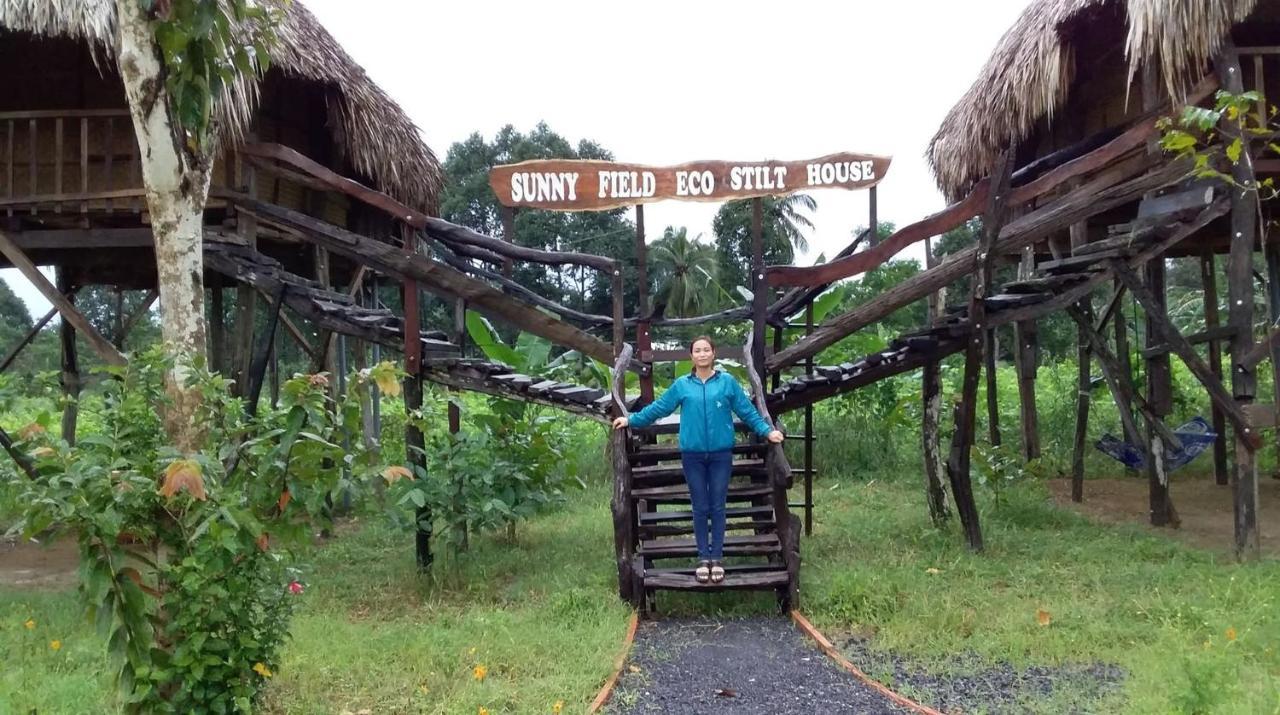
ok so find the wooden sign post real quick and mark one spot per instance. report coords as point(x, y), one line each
point(582, 185)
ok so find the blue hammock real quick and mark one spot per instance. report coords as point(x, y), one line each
point(1196, 436)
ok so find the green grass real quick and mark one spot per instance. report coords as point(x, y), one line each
point(540, 614)
point(1117, 595)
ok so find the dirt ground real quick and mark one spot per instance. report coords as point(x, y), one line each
point(24, 564)
point(1204, 507)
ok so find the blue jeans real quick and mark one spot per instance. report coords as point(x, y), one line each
point(707, 474)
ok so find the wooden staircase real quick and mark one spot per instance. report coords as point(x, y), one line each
point(653, 519)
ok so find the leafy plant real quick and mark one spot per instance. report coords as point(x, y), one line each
point(184, 558)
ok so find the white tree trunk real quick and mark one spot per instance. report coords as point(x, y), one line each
point(177, 184)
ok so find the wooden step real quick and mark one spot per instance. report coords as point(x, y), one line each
point(746, 545)
point(667, 452)
point(671, 425)
point(679, 493)
point(659, 517)
point(656, 530)
point(673, 473)
point(732, 581)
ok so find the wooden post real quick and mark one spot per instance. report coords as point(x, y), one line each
point(962, 441)
point(246, 296)
point(759, 302)
point(258, 366)
point(217, 328)
point(1208, 277)
point(1244, 378)
point(508, 216)
point(873, 218)
point(644, 340)
point(990, 352)
point(414, 440)
point(1026, 358)
point(1124, 357)
point(809, 436)
point(70, 364)
point(935, 493)
point(1159, 396)
point(1084, 381)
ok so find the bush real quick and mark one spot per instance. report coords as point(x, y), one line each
point(184, 560)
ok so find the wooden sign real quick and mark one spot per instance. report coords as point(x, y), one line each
point(569, 185)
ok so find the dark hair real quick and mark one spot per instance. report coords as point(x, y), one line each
point(702, 337)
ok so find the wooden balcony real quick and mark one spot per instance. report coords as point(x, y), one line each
point(69, 161)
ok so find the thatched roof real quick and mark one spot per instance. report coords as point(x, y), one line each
point(375, 134)
point(1030, 72)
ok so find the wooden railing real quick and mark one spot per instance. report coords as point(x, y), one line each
point(778, 470)
point(630, 583)
point(69, 161)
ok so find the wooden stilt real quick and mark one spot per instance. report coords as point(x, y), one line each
point(935, 493)
point(1124, 355)
point(70, 366)
point(1026, 358)
point(1084, 380)
point(1159, 393)
point(216, 329)
point(261, 355)
point(414, 441)
point(962, 441)
point(246, 297)
point(759, 287)
point(1273, 306)
point(990, 351)
point(1208, 277)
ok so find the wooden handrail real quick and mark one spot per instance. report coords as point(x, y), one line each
point(335, 181)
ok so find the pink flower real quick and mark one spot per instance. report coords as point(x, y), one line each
point(295, 588)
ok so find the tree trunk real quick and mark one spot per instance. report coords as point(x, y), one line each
point(177, 184)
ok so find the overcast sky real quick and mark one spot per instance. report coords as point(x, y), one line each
point(666, 82)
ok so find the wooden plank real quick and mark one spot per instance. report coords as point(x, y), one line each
point(33, 199)
point(69, 113)
point(100, 345)
point(84, 164)
point(584, 185)
point(32, 162)
point(109, 151)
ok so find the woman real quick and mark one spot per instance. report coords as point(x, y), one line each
point(708, 399)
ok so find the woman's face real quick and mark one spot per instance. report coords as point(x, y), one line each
point(703, 354)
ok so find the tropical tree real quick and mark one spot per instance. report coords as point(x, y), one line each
point(784, 222)
point(177, 59)
point(685, 271)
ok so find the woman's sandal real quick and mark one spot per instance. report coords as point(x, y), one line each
point(717, 572)
point(702, 574)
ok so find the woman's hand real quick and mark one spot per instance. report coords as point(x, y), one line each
point(621, 422)
point(775, 436)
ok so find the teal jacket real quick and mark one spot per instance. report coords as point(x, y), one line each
point(706, 412)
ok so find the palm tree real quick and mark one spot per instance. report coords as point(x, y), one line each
point(785, 214)
point(685, 271)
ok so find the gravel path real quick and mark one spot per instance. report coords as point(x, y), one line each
point(971, 684)
point(746, 665)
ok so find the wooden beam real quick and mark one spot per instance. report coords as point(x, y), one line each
point(1119, 382)
point(452, 233)
point(100, 345)
point(23, 462)
point(1026, 348)
point(1213, 335)
point(1184, 350)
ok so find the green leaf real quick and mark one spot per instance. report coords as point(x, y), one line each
point(1234, 149)
point(485, 336)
